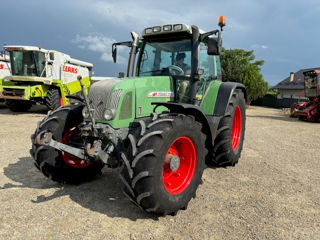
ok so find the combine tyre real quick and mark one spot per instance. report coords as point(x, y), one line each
point(60, 166)
point(53, 99)
point(165, 163)
point(230, 134)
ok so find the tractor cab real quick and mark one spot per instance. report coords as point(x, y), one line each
point(312, 83)
point(185, 53)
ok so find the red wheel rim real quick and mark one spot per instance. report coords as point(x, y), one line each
point(236, 128)
point(177, 181)
point(69, 159)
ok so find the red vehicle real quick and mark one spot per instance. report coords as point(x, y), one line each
point(309, 111)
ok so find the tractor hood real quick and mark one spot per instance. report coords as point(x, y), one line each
point(98, 96)
point(129, 98)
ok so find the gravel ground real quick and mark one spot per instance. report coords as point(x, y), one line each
point(273, 193)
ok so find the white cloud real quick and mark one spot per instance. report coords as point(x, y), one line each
point(148, 13)
point(98, 43)
point(259, 46)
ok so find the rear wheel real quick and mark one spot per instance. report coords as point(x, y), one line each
point(230, 134)
point(53, 99)
point(18, 105)
point(164, 165)
point(60, 166)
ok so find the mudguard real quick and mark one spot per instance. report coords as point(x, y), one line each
point(209, 123)
point(225, 92)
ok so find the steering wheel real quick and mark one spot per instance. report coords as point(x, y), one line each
point(175, 70)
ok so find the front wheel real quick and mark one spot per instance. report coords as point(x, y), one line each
point(165, 163)
point(60, 166)
point(230, 134)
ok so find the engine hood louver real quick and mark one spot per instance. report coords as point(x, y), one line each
point(98, 96)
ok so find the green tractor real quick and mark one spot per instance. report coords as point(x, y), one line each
point(161, 126)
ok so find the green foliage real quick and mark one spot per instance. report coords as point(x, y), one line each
point(272, 93)
point(238, 65)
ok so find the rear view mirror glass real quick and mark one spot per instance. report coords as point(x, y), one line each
point(214, 48)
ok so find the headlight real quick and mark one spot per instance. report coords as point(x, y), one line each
point(177, 27)
point(85, 112)
point(156, 29)
point(148, 30)
point(109, 114)
point(167, 27)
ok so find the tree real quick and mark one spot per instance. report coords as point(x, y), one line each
point(238, 65)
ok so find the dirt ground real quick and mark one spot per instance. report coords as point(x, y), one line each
point(273, 193)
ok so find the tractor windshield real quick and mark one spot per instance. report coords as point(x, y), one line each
point(171, 58)
point(27, 63)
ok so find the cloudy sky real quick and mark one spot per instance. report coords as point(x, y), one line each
point(283, 33)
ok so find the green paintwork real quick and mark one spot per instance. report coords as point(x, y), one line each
point(127, 85)
point(146, 85)
point(209, 99)
point(140, 88)
point(39, 91)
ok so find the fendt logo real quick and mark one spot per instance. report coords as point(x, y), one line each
point(70, 69)
point(160, 94)
point(1, 66)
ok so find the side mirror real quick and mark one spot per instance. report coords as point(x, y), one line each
point(214, 46)
point(114, 52)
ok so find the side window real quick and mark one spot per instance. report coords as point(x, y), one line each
point(209, 71)
point(206, 62)
point(218, 65)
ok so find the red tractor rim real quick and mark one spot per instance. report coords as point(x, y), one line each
point(236, 128)
point(177, 181)
point(69, 159)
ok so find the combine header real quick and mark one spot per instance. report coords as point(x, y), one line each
point(44, 76)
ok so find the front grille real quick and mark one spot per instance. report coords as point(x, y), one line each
point(115, 97)
point(98, 96)
point(13, 92)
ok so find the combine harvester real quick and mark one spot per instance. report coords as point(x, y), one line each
point(42, 76)
point(309, 111)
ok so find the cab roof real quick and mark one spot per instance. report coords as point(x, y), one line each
point(167, 29)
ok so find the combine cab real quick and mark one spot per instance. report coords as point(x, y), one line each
point(309, 111)
point(41, 76)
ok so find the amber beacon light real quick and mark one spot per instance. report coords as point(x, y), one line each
point(222, 22)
